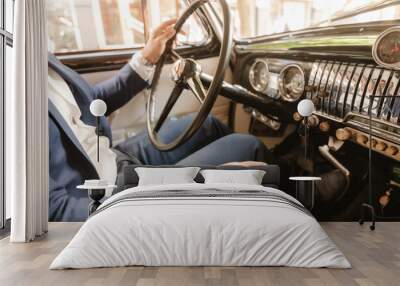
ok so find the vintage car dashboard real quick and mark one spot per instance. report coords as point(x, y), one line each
point(347, 86)
point(287, 83)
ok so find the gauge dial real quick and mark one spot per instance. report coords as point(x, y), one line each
point(259, 75)
point(386, 49)
point(292, 82)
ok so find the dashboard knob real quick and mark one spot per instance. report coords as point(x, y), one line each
point(313, 121)
point(324, 126)
point(343, 134)
point(392, 150)
point(297, 117)
point(380, 146)
point(362, 139)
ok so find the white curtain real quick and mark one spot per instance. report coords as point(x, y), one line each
point(27, 124)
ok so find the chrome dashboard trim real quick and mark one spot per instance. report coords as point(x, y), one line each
point(375, 133)
point(349, 120)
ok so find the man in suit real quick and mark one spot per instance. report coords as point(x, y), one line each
point(72, 132)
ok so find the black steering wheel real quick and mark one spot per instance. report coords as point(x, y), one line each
point(186, 74)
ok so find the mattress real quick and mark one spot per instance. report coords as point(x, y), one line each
point(201, 225)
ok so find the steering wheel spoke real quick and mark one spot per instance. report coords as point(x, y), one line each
point(174, 55)
point(176, 92)
point(196, 86)
point(185, 74)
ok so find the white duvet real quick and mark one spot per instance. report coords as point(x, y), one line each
point(200, 231)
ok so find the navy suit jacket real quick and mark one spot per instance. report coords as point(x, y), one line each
point(69, 165)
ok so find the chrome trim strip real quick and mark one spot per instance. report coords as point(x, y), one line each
point(325, 64)
point(371, 72)
point(371, 108)
point(395, 104)
point(324, 81)
point(339, 89)
point(355, 93)
point(311, 79)
point(333, 85)
point(347, 82)
point(348, 86)
point(329, 86)
point(384, 93)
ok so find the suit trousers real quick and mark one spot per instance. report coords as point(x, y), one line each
point(213, 144)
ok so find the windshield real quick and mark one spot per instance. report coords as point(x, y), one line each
point(266, 17)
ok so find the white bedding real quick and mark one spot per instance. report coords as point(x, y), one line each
point(201, 231)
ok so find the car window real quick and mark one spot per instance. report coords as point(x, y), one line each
point(84, 25)
point(254, 18)
point(161, 10)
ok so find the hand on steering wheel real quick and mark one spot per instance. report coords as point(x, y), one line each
point(155, 46)
point(186, 74)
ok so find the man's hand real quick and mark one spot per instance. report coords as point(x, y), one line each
point(155, 46)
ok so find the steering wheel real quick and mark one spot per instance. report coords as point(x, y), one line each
point(186, 75)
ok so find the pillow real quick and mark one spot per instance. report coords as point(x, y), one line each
point(130, 179)
point(244, 177)
point(166, 176)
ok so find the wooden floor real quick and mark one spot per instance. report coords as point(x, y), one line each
point(375, 257)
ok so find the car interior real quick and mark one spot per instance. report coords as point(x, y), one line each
point(266, 78)
point(316, 82)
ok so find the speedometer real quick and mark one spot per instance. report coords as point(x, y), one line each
point(259, 75)
point(292, 83)
point(386, 49)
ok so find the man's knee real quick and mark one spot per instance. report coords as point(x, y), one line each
point(209, 123)
point(214, 125)
point(251, 145)
point(246, 140)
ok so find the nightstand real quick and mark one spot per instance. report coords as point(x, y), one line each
point(96, 191)
point(305, 190)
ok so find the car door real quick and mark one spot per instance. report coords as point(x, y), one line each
point(97, 37)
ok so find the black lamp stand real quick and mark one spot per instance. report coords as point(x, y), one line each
point(98, 138)
point(369, 206)
point(305, 137)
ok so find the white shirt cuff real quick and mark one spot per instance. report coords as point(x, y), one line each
point(139, 64)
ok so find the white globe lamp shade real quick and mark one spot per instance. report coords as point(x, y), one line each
point(98, 107)
point(305, 107)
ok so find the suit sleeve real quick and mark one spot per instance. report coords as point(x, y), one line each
point(120, 89)
point(66, 203)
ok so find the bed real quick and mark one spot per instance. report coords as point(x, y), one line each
point(201, 224)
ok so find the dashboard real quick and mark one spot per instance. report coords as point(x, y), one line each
point(288, 84)
point(346, 93)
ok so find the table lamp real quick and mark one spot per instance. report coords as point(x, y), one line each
point(98, 108)
point(305, 108)
point(96, 188)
